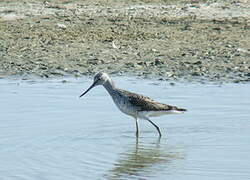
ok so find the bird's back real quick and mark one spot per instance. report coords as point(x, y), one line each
point(144, 103)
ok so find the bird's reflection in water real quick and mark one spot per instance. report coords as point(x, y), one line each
point(142, 160)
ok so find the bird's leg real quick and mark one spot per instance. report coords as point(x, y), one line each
point(158, 129)
point(137, 129)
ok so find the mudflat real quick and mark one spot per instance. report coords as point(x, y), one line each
point(170, 40)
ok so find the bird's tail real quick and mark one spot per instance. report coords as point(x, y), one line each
point(180, 109)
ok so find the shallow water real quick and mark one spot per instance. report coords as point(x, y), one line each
point(47, 132)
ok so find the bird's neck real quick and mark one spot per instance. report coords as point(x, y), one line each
point(109, 86)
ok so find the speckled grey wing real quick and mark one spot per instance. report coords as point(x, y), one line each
point(144, 103)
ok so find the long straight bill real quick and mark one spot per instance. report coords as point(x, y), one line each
point(88, 89)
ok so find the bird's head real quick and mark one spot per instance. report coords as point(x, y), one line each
point(100, 79)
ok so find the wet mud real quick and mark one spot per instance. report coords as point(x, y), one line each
point(168, 40)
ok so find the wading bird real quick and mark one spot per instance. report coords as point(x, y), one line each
point(132, 104)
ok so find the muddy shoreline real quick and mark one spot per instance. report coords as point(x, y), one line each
point(188, 40)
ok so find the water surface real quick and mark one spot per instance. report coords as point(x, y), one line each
point(47, 132)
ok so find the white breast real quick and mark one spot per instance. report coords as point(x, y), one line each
point(125, 107)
